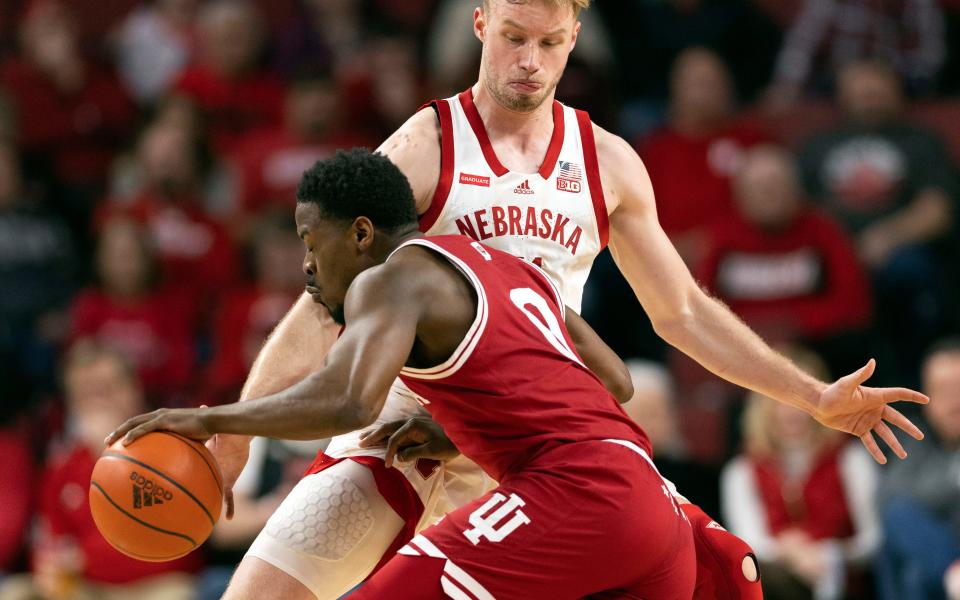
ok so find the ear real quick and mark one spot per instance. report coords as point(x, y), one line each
point(362, 233)
point(479, 23)
point(576, 32)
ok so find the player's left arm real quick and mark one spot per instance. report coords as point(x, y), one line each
point(706, 330)
point(599, 357)
point(382, 313)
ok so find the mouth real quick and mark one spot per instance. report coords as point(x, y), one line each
point(527, 87)
point(314, 293)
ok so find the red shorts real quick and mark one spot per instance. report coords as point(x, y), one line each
point(591, 519)
point(720, 556)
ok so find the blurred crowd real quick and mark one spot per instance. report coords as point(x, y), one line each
point(804, 156)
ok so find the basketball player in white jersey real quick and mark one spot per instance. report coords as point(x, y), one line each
point(506, 164)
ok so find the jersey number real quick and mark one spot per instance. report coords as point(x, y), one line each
point(545, 321)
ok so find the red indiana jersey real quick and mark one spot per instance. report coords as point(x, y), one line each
point(515, 386)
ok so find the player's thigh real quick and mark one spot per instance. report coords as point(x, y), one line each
point(256, 579)
point(328, 534)
point(406, 578)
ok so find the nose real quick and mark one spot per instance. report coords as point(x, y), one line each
point(530, 59)
point(309, 267)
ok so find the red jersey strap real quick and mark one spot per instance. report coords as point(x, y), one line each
point(593, 176)
point(445, 182)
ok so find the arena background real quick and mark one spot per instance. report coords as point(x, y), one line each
point(804, 157)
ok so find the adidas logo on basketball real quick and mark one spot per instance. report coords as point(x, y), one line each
point(523, 188)
point(146, 492)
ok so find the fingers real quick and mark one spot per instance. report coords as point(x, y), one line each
point(865, 372)
point(887, 436)
point(140, 431)
point(126, 427)
point(393, 444)
point(871, 445)
point(228, 499)
point(904, 395)
point(375, 437)
point(411, 453)
point(894, 417)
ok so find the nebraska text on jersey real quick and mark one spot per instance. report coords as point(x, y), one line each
point(555, 217)
point(529, 221)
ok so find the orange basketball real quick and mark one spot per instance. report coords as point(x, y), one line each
point(158, 498)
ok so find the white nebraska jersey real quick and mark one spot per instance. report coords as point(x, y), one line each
point(555, 218)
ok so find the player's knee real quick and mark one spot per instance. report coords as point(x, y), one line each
point(326, 516)
point(750, 568)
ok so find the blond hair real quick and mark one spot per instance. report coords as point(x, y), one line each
point(577, 5)
point(759, 438)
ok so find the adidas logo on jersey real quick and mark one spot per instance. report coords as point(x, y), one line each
point(523, 188)
point(147, 493)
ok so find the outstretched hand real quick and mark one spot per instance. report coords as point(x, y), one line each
point(406, 440)
point(863, 411)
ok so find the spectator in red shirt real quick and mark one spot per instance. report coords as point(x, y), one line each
point(71, 558)
point(69, 112)
point(271, 162)
point(803, 497)
point(787, 269)
point(194, 249)
point(236, 96)
point(132, 312)
point(250, 313)
point(692, 158)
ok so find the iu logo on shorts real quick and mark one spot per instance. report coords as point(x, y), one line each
point(500, 522)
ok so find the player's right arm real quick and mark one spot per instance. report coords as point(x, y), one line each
point(300, 343)
point(599, 357)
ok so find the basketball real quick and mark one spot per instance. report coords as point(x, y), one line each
point(158, 498)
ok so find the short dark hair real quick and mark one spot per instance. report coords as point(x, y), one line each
point(359, 183)
point(948, 345)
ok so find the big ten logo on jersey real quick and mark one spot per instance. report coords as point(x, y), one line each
point(568, 178)
point(496, 518)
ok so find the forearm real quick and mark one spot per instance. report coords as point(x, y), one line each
point(713, 336)
point(297, 347)
point(307, 410)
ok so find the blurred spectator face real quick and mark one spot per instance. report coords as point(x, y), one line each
point(167, 155)
point(9, 176)
point(394, 72)
point(941, 381)
point(124, 263)
point(49, 36)
point(870, 93)
point(652, 403)
point(790, 426)
point(700, 90)
point(525, 50)
point(231, 36)
point(181, 12)
point(311, 108)
point(101, 391)
point(767, 188)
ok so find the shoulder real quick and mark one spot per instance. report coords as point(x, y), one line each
point(622, 173)
point(406, 278)
point(415, 149)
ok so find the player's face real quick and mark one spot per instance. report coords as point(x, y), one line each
point(328, 260)
point(941, 381)
point(525, 49)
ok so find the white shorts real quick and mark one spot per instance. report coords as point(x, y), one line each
point(344, 518)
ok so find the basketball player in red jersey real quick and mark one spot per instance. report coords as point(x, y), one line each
point(505, 163)
point(476, 333)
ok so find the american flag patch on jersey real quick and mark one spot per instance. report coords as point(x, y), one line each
point(569, 170)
